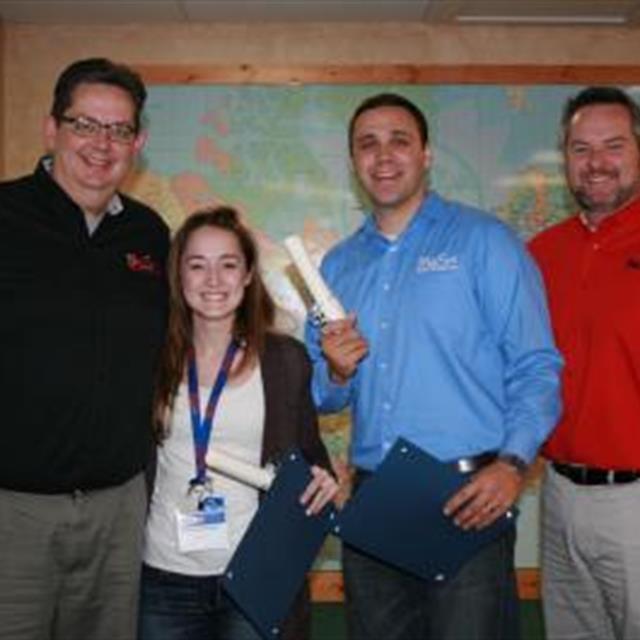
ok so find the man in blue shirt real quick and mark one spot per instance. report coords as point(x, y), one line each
point(449, 346)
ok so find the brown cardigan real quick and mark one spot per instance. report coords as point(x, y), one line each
point(290, 416)
point(290, 420)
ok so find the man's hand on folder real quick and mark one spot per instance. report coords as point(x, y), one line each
point(488, 495)
point(319, 492)
point(343, 347)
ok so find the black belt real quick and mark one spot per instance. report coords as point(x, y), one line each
point(468, 464)
point(580, 474)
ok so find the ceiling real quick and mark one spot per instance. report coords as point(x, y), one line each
point(561, 12)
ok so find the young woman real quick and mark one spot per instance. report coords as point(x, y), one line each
point(226, 380)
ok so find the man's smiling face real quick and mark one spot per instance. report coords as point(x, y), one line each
point(91, 168)
point(602, 159)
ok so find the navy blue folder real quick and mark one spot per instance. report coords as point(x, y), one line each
point(271, 562)
point(396, 516)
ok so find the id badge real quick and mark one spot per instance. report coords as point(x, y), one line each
point(204, 528)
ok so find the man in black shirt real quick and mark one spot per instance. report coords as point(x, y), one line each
point(83, 317)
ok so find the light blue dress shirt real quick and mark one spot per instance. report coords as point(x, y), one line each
point(461, 355)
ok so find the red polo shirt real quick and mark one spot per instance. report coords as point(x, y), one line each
point(593, 283)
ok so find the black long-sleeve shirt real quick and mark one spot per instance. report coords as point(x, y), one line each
point(82, 318)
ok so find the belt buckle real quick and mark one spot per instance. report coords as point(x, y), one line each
point(611, 476)
point(583, 472)
point(466, 465)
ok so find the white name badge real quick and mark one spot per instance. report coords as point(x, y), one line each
point(205, 528)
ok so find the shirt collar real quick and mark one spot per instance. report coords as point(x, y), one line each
point(114, 206)
point(586, 223)
point(422, 215)
point(621, 221)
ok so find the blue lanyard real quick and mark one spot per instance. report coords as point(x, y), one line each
point(202, 428)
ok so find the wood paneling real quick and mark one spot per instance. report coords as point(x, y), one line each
point(390, 74)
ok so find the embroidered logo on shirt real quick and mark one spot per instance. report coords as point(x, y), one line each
point(441, 262)
point(142, 262)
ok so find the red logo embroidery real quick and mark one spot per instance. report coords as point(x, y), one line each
point(138, 262)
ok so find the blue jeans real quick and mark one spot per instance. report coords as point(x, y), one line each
point(179, 607)
point(479, 603)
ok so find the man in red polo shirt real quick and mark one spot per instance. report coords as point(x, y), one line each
point(591, 265)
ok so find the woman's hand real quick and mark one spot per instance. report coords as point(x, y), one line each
point(319, 492)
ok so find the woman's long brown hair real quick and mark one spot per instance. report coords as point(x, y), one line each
point(254, 316)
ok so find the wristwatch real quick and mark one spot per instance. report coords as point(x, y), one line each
point(514, 461)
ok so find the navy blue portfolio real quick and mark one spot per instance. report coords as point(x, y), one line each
point(396, 516)
point(270, 564)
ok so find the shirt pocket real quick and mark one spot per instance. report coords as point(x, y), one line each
point(440, 303)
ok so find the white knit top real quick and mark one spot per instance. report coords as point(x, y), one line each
point(237, 427)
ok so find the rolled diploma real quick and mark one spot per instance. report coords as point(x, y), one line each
point(326, 301)
point(222, 462)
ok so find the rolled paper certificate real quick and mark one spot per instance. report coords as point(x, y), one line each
point(328, 305)
point(227, 465)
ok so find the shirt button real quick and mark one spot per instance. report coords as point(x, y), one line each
point(596, 246)
point(384, 325)
point(386, 406)
point(386, 286)
point(383, 365)
point(393, 248)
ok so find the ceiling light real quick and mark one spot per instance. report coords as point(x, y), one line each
point(512, 19)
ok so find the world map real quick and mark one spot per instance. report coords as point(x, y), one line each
point(279, 155)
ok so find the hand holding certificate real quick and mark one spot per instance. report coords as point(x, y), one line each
point(397, 516)
point(270, 564)
point(321, 489)
point(342, 344)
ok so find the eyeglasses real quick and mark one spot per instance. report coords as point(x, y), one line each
point(86, 127)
